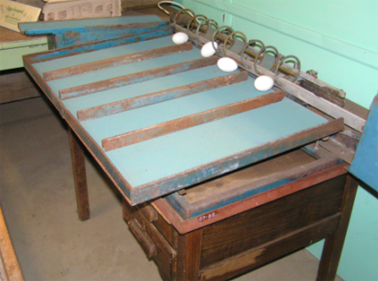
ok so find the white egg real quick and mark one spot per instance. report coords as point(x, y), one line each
point(227, 64)
point(180, 38)
point(264, 83)
point(207, 50)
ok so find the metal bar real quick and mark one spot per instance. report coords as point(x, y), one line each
point(160, 96)
point(190, 121)
point(135, 78)
point(115, 61)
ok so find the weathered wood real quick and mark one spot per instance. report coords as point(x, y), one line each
point(188, 255)
point(9, 267)
point(334, 242)
point(115, 61)
point(190, 121)
point(165, 256)
point(135, 78)
point(271, 221)
point(146, 242)
point(80, 178)
point(160, 96)
point(270, 251)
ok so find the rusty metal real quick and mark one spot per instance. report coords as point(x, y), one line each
point(135, 78)
point(323, 92)
point(190, 121)
point(164, 95)
point(115, 61)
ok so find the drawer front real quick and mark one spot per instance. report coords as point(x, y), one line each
point(272, 222)
point(156, 247)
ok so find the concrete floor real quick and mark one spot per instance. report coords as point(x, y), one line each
point(38, 201)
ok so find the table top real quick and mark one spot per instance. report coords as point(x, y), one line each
point(147, 169)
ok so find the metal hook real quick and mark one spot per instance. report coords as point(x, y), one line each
point(215, 35)
point(188, 11)
point(207, 23)
point(250, 43)
point(263, 51)
point(297, 66)
point(233, 41)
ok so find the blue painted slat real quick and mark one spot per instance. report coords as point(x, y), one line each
point(55, 54)
point(365, 163)
point(56, 27)
point(100, 33)
point(102, 54)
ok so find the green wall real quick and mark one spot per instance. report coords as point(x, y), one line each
point(339, 39)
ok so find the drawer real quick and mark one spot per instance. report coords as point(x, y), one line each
point(141, 223)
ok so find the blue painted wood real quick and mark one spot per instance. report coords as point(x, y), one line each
point(58, 27)
point(365, 163)
point(122, 70)
point(100, 33)
point(143, 88)
point(100, 54)
point(54, 54)
point(165, 159)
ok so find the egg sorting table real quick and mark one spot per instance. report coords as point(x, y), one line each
point(159, 119)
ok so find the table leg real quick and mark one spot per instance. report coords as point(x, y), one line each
point(334, 242)
point(80, 178)
point(188, 255)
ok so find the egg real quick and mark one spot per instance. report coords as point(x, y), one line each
point(180, 38)
point(227, 64)
point(207, 49)
point(264, 83)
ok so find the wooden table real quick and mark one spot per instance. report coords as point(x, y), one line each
point(245, 235)
point(234, 214)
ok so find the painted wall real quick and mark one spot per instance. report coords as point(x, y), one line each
point(339, 39)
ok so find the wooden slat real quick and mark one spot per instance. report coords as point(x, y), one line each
point(116, 61)
point(135, 78)
point(190, 121)
point(160, 96)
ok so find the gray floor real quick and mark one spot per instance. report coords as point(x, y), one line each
point(38, 202)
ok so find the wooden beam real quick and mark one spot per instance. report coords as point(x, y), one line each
point(138, 77)
point(160, 96)
point(190, 121)
point(115, 61)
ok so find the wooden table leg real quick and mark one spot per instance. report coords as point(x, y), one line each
point(334, 242)
point(188, 255)
point(80, 177)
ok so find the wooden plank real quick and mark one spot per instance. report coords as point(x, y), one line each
point(135, 78)
point(190, 121)
point(156, 97)
point(115, 61)
point(9, 267)
point(186, 225)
